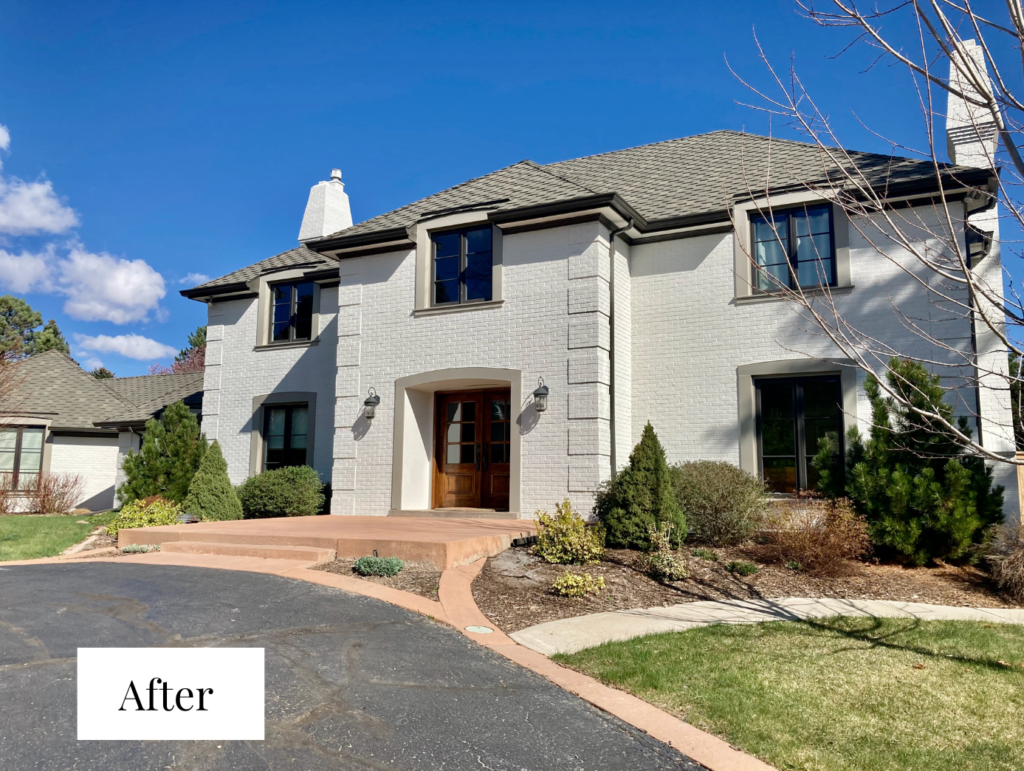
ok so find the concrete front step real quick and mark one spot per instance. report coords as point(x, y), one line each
point(454, 513)
point(303, 553)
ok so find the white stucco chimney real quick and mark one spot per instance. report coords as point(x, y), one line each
point(327, 210)
point(971, 132)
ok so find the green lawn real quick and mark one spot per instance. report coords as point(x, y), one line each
point(25, 538)
point(841, 693)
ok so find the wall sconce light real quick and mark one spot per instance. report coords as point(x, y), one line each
point(540, 396)
point(371, 403)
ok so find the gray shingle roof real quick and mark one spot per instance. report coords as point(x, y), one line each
point(52, 385)
point(149, 394)
point(691, 176)
point(293, 258)
point(521, 184)
point(679, 177)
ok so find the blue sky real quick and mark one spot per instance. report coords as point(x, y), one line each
point(182, 138)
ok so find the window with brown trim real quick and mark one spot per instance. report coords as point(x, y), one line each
point(794, 248)
point(463, 264)
point(21, 455)
point(291, 317)
point(793, 415)
point(285, 435)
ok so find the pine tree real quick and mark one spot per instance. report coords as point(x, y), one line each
point(923, 497)
point(101, 373)
point(196, 340)
point(640, 498)
point(211, 495)
point(49, 338)
point(172, 449)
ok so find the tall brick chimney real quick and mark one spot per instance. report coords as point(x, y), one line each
point(327, 210)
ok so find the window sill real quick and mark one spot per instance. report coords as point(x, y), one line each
point(768, 297)
point(442, 309)
point(289, 344)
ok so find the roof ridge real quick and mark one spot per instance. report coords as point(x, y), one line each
point(562, 176)
point(101, 382)
point(651, 144)
point(154, 374)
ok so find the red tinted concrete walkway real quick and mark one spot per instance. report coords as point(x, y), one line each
point(445, 543)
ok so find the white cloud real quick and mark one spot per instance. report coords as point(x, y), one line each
point(132, 346)
point(98, 287)
point(105, 288)
point(30, 207)
point(91, 363)
point(194, 279)
point(27, 272)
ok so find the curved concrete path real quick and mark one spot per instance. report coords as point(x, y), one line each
point(569, 635)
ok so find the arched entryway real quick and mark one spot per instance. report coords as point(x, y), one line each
point(447, 448)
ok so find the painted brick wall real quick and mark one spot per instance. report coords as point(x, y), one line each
point(235, 373)
point(689, 337)
point(95, 459)
point(555, 291)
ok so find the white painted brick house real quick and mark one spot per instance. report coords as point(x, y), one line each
point(619, 280)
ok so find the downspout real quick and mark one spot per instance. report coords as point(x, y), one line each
point(612, 235)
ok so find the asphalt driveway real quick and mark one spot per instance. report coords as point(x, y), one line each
point(351, 682)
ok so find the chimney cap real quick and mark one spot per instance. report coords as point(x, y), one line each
point(336, 175)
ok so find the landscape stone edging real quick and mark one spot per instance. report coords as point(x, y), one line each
point(569, 635)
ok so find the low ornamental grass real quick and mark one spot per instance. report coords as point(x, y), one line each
point(378, 566)
point(840, 694)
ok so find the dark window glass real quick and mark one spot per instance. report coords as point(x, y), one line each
point(285, 432)
point(794, 248)
point(21, 455)
point(793, 414)
point(500, 450)
point(463, 266)
point(292, 316)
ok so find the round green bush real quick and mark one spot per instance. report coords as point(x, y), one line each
point(142, 514)
point(723, 504)
point(292, 491)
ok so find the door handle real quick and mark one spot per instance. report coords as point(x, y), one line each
point(476, 447)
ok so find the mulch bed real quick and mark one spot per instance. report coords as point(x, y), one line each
point(514, 588)
point(417, 578)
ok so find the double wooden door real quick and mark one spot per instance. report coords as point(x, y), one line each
point(472, 450)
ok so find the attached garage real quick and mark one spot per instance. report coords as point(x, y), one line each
point(94, 459)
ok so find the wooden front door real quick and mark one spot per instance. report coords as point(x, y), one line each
point(473, 439)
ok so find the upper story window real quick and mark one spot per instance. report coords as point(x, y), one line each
point(292, 316)
point(285, 431)
point(21, 455)
point(794, 248)
point(463, 265)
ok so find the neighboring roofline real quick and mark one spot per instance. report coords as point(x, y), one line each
point(98, 431)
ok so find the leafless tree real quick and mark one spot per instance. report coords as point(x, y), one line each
point(937, 245)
